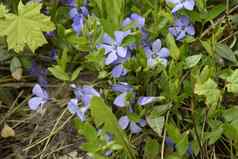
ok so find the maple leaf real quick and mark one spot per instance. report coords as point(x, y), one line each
point(26, 27)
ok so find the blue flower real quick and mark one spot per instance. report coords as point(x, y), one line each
point(144, 100)
point(70, 3)
point(78, 18)
point(156, 53)
point(113, 49)
point(122, 88)
point(182, 28)
point(135, 127)
point(53, 55)
point(83, 94)
point(39, 73)
point(134, 18)
point(180, 4)
point(39, 99)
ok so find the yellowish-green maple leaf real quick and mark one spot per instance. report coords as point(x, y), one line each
point(209, 90)
point(3, 10)
point(26, 27)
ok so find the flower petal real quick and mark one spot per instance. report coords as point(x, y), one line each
point(73, 106)
point(118, 71)
point(134, 128)
point(181, 35)
point(120, 100)
point(35, 102)
point(190, 30)
point(39, 91)
point(120, 35)
point(146, 100)
point(139, 20)
point(107, 39)
point(156, 46)
point(189, 4)
point(126, 22)
point(111, 57)
point(122, 87)
point(121, 51)
point(88, 90)
point(123, 122)
point(177, 7)
point(163, 53)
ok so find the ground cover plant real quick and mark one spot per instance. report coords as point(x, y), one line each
point(123, 79)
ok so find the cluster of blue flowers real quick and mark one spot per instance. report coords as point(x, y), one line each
point(116, 54)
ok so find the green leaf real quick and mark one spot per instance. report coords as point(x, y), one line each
point(4, 54)
point(214, 12)
point(75, 74)
point(182, 145)
point(3, 11)
point(209, 90)
point(232, 86)
point(103, 116)
point(26, 27)
point(192, 61)
point(225, 52)
point(173, 133)
point(174, 50)
point(231, 114)
point(16, 68)
point(214, 135)
point(59, 73)
point(151, 149)
point(80, 43)
point(156, 123)
point(208, 47)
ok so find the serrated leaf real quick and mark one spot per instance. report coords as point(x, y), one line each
point(26, 27)
point(209, 90)
point(103, 116)
point(232, 86)
point(3, 11)
point(192, 61)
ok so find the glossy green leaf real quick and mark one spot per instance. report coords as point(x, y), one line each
point(225, 52)
point(174, 50)
point(192, 61)
point(151, 149)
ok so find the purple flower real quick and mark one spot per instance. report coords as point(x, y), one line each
point(74, 109)
point(119, 71)
point(190, 149)
point(170, 143)
point(144, 100)
point(180, 4)
point(134, 18)
point(84, 94)
point(50, 34)
point(39, 73)
point(156, 53)
point(70, 3)
point(135, 127)
point(123, 88)
point(39, 99)
point(182, 28)
point(113, 49)
point(53, 55)
point(78, 18)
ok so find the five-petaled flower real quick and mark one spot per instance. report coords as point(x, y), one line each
point(135, 19)
point(156, 53)
point(180, 4)
point(39, 99)
point(182, 28)
point(83, 94)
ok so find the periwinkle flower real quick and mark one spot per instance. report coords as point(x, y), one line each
point(170, 143)
point(156, 53)
point(180, 4)
point(134, 18)
point(77, 17)
point(123, 88)
point(119, 71)
point(53, 55)
point(39, 73)
point(182, 28)
point(70, 3)
point(114, 50)
point(39, 99)
point(135, 127)
point(144, 100)
point(83, 94)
